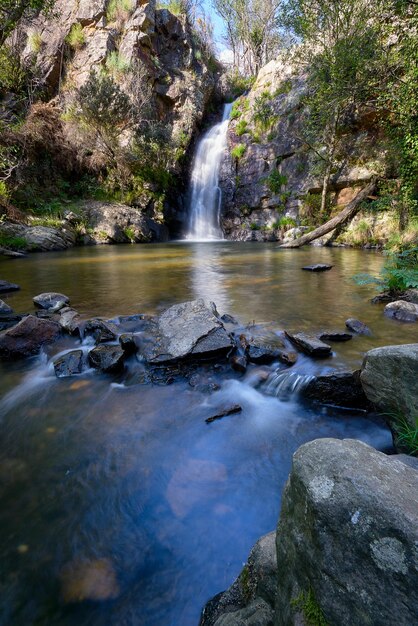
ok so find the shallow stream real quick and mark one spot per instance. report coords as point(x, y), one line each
point(123, 486)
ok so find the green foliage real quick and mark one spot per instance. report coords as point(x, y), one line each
point(284, 88)
point(241, 128)
point(275, 181)
point(12, 11)
point(263, 113)
point(12, 74)
point(399, 273)
point(130, 233)
point(35, 42)
point(119, 10)
point(239, 84)
point(4, 192)
point(284, 223)
point(255, 226)
point(312, 612)
point(406, 435)
point(13, 243)
point(238, 151)
point(76, 37)
point(103, 105)
point(116, 64)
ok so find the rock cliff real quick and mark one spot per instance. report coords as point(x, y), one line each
point(270, 177)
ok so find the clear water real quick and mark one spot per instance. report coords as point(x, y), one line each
point(95, 468)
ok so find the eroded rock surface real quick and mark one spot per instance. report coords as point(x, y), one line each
point(191, 330)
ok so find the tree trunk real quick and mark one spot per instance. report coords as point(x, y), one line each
point(344, 216)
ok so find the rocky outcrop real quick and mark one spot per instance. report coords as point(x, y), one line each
point(268, 176)
point(191, 330)
point(389, 377)
point(27, 337)
point(40, 238)
point(345, 545)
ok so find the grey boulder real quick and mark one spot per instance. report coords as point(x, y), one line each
point(5, 286)
point(347, 537)
point(107, 358)
point(309, 344)
point(51, 300)
point(191, 330)
point(389, 377)
point(402, 311)
point(357, 327)
point(101, 330)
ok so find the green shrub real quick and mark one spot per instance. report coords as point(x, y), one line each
point(238, 151)
point(35, 42)
point(117, 64)
point(285, 223)
point(4, 192)
point(76, 37)
point(176, 7)
point(12, 74)
point(119, 10)
point(284, 87)
point(254, 226)
point(239, 84)
point(400, 272)
point(130, 233)
point(275, 181)
point(241, 128)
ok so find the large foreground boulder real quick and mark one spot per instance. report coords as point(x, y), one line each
point(389, 377)
point(347, 536)
point(27, 337)
point(191, 330)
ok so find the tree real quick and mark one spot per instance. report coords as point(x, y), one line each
point(12, 11)
point(339, 40)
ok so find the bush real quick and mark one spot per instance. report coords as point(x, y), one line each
point(35, 42)
point(13, 243)
point(406, 435)
point(284, 223)
point(275, 181)
point(119, 10)
point(117, 64)
point(12, 74)
point(241, 128)
point(399, 273)
point(76, 37)
point(238, 151)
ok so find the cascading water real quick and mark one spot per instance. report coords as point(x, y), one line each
point(205, 194)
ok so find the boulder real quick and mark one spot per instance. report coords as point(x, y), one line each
point(250, 599)
point(264, 352)
point(70, 321)
point(357, 327)
point(5, 308)
point(69, 364)
point(27, 337)
point(41, 238)
point(402, 311)
point(239, 363)
point(107, 358)
point(128, 343)
point(389, 377)
point(319, 267)
point(51, 300)
point(9, 320)
point(5, 286)
point(310, 344)
point(347, 536)
point(101, 330)
point(340, 389)
point(335, 336)
point(191, 330)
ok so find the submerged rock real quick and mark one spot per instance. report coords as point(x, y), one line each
point(191, 330)
point(51, 300)
point(89, 580)
point(27, 337)
point(340, 388)
point(69, 364)
point(346, 538)
point(357, 327)
point(310, 344)
point(319, 267)
point(402, 311)
point(335, 336)
point(5, 286)
point(389, 377)
point(107, 358)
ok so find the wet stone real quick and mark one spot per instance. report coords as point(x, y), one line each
point(27, 337)
point(339, 389)
point(319, 267)
point(238, 363)
point(69, 321)
point(228, 319)
point(101, 330)
point(128, 343)
point(107, 358)
point(335, 336)
point(402, 311)
point(5, 286)
point(310, 344)
point(8, 321)
point(51, 300)
point(5, 308)
point(69, 364)
point(357, 327)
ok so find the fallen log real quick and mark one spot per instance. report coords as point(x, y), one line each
point(344, 216)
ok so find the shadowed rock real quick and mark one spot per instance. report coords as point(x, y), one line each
point(357, 327)
point(319, 267)
point(191, 330)
point(27, 337)
point(107, 358)
point(101, 330)
point(335, 336)
point(341, 389)
point(5, 286)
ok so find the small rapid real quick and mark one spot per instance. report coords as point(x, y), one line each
point(205, 193)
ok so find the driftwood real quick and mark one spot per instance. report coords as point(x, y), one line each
point(344, 216)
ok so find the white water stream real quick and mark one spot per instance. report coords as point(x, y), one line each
point(205, 194)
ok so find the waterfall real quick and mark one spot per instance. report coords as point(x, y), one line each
point(205, 194)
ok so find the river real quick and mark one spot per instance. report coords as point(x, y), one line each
point(124, 483)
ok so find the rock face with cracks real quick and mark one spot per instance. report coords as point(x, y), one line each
point(191, 330)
